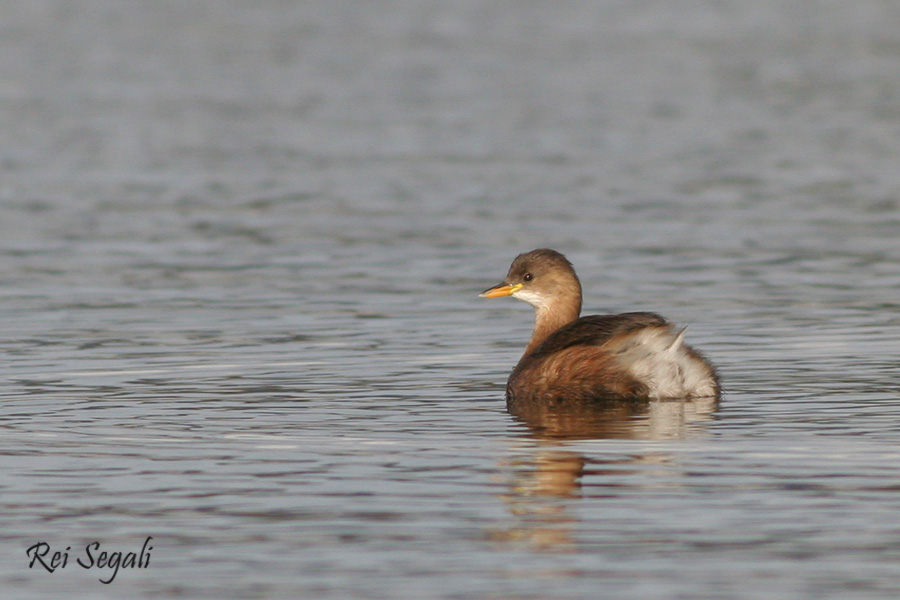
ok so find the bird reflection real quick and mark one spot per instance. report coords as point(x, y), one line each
point(616, 419)
point(543, 485)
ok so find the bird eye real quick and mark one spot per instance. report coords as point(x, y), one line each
point(528, 277)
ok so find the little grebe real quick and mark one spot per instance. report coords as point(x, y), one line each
point(637, 355)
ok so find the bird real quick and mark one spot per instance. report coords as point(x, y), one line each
point(628, 356)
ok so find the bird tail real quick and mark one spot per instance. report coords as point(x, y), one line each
point(677, 341)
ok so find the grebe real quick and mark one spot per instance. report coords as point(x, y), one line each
point(636, 355)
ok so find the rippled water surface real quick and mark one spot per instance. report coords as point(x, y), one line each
point(241, 247)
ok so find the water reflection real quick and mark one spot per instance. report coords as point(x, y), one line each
point(620, 419)
point(543, 485)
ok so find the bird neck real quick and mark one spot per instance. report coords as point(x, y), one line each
point(548, 319)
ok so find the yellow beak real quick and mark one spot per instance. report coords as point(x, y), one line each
point(498, 291)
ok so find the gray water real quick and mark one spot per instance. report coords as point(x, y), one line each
point(241, 249)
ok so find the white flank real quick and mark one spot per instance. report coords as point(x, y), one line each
point(658, 357)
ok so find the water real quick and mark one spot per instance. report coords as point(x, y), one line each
point(241, 250)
